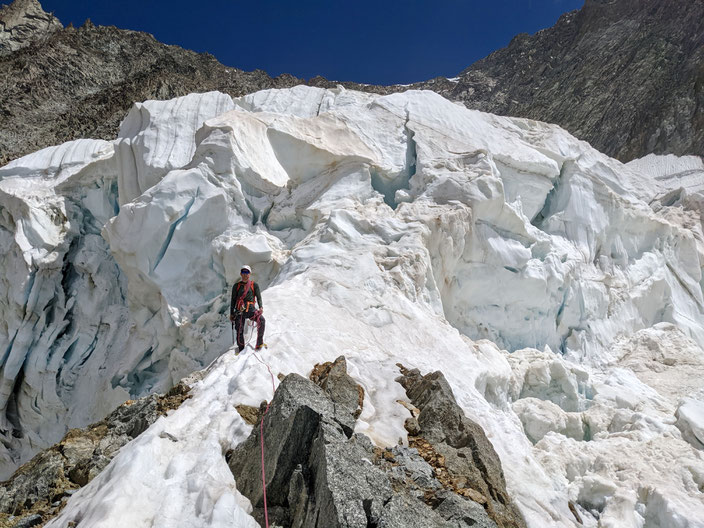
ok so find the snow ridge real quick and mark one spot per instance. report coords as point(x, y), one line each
point(545, 279)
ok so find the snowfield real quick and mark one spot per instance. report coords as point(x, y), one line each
point(558, 290)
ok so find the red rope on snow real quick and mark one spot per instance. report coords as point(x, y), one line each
point(261, 439)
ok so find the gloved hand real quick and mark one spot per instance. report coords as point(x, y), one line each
point(232, 318)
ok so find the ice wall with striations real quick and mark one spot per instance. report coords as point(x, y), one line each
point(66, 330)
point(558, 290)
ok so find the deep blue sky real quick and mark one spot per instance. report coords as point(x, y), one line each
point(379, 42)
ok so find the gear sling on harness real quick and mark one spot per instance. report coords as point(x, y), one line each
point(242, 305)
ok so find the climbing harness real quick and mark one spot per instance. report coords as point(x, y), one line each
point(242, 305)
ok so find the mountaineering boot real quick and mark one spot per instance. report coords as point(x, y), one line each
point(260, 346)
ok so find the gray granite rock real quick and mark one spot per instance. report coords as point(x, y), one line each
point(28, 522)
point(472, 465)
point(308, 454)
point(403, 511)
point(339, 386)
point(24, 22)
point(321, 475)
point(463, 512)
point(412, 466)
point(42, 485)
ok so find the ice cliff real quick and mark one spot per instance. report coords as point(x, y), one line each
point(559, 291)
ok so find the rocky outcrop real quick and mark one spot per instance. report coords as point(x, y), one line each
point(81, 82)
point(39, 489)
point(344, 392)
point(24, 22)
point(321, 473)
point(456, 446)
point(627, 76)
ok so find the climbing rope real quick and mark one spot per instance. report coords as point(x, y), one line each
point(249, 328)
point(251, 325)
point(261, 437)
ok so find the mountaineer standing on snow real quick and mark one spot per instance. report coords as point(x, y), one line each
point(242, 307)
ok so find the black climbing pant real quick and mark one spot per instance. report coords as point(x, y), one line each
point(240, 320)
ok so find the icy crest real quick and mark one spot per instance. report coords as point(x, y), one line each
point(387, 228)
point(158, 136)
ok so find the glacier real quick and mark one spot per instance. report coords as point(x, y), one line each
point(559, 291)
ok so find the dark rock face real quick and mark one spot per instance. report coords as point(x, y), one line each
point(457, 446)
point(39, 489)
point(74, 83)
point(320, 473)
point(627, 76)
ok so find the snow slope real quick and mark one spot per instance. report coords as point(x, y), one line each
point(556, 288)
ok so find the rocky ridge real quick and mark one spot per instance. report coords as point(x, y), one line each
point(448, 476)
point(626, 76)
point(39, 489)
point(24, 22)
point(321, 473)
point(68, 83)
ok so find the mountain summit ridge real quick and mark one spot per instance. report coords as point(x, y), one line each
point(24, 22)
point(627, 76)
